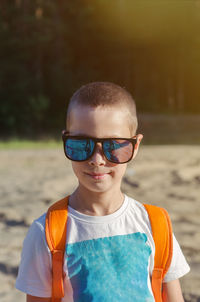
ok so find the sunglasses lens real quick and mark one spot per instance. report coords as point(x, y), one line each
point(79, 149)
point(118, 151)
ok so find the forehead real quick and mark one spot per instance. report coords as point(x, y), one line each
point(99, 121)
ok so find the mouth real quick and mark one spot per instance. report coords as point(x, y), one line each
point(98, 175)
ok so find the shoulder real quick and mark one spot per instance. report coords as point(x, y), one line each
point(34, 275)
point(138, 210)
point(150, 214)
point(38, 225)
point(40, 222)
point(136, 205)
point(36, 233)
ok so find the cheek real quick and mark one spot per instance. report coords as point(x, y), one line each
point(77, 168)
point(120, 170)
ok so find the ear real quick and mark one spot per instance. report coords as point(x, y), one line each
point(139, 139)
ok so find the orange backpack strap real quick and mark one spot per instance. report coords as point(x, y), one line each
point(163, 239)
point(55, 230)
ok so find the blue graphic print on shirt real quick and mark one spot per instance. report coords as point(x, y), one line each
point(110, 269)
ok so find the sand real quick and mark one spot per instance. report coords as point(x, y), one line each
point(31, 180)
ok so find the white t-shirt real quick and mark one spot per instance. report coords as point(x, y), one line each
point(107, 259)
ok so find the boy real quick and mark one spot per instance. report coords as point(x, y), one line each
point(110, 250)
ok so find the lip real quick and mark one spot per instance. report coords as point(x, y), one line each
point(98, 175)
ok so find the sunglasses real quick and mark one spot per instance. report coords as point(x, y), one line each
point(81, 148)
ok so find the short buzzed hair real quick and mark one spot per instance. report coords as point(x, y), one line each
point(108, 94)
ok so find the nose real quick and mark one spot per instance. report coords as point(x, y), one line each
point(98, 158)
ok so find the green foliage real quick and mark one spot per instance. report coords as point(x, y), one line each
point(38, 105)
point(50, 48)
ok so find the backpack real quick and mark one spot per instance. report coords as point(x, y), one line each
point(56, 228)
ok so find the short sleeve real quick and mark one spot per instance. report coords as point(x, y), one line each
point(34, 276)
point(179, 266)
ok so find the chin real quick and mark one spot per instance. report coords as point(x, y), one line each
point(98, 188)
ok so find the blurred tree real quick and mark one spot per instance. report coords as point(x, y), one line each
point(21, 77)
point(50, 48)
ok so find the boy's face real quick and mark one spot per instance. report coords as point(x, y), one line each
point(100, 122)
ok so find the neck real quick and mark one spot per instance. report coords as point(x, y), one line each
point(96, 203)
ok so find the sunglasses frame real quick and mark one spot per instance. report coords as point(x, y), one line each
point(65, 136)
